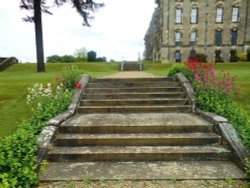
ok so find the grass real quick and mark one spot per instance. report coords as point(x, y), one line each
point(157, 68)
point(14, 83)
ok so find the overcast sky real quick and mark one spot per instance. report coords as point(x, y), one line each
point(117, 31)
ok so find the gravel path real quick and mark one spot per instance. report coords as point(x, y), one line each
point(132, 74)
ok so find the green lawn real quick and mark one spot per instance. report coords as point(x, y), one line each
point(15, 81)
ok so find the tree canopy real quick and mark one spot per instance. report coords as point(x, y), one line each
point(83, 7)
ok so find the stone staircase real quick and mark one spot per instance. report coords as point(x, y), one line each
point(137, 129)
point(134, 95)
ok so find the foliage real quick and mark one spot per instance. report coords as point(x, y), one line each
point(214, 94)
point(205, 78)
point(241, 57)
point(84, 8)
point(248, 54)
point(180, 68)
point(91, 56)
point(247, 168)
point(101, 59)
point(70, 77)
point(17, 152)
point(81, 54)
point(221, 104)
point(199, 57)
point(233, 55)
point(61, 59)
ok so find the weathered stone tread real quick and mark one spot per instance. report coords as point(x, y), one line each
point(177, 170)
point(136, 149)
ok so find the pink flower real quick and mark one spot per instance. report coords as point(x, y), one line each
point(206, 79)
point(77, 85)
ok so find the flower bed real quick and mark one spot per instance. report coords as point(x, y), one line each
point(18, 151)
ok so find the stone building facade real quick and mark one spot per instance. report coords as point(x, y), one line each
point(180, 28)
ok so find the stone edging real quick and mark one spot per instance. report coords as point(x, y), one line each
point(222, 126)
point(188, 89)
point(49, 131)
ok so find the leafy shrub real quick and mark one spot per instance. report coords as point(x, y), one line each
point(91, 56)
point(248, 54)
point(70, 76)
point(17, 152)
point(247, 168)
point(242, 57)
point(214, 95)
point(221, 104)
point(180, 68)
point(233, 55)
point(62, 59)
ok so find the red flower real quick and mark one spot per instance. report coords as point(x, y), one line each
point(77, 85)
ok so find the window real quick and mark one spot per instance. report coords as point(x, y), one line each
point(235, 14)
point(194, 15)
point(234, 34)
point(218, 37)
point(177, 56)
point(178, 38)
point(178, 15)
point(193, 36)
point(219, 15)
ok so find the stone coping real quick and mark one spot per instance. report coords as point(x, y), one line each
point(222, 126)
point(47, 134)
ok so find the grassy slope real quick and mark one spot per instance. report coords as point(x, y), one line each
point(15, 81)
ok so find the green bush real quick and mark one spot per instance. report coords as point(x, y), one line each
point(241, 57)
point(180, 68)
point(17, 152)
point(70, 76)
point(223, 105)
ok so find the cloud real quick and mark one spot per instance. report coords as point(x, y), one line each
point(117, 30)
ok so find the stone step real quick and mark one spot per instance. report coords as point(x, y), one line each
point(135, 109)
point(132, 89)
point(138, 153)
point(132, 102)
point(124, 95)
point(132, 84)
point(169, 170)
point(162, 139)
point(120, 128)
point(126, 80)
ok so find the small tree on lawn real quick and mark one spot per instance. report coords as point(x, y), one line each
point(83, 7)
point(91, 56)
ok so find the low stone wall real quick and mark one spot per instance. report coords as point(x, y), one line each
point(46, 136)
point(222, 126)
point(7, 62)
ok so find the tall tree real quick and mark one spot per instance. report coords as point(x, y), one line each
point(83, 7)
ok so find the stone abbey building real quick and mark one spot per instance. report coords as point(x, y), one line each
point(180, 28)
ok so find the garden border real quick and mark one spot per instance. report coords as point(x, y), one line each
point(47, 134)
point(222, 126)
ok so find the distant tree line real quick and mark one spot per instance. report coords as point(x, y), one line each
point(80, 55)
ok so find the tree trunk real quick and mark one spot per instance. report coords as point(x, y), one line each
point(39, 36)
